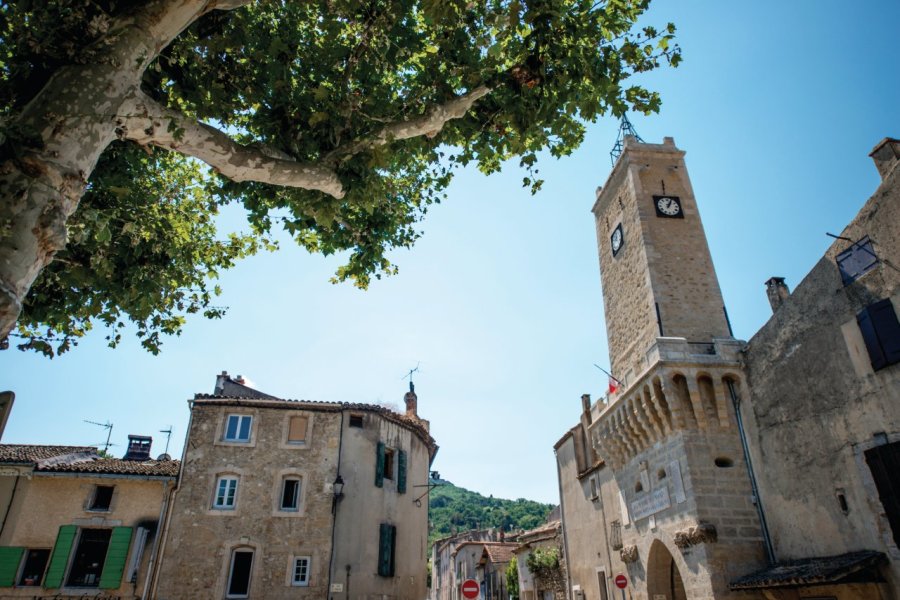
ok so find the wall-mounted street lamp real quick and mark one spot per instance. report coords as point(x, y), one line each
point(338, 488)
point(434, 475)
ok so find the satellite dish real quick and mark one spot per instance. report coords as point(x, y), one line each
point(163, 457)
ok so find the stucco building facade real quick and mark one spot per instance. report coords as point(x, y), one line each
point(298, 499)
point(76, 524)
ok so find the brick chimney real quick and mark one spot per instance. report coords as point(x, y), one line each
point(411, 401)
point(886, 155)
point(138, 447)
point(777, 291)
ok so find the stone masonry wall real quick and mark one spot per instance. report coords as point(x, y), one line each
point(816, 405)
point(201, 539)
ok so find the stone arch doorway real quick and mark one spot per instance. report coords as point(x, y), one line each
point(663, 577)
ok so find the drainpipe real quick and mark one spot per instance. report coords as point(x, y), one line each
point(162, 528)
point(12, 498)
point(767, 540)
point(334, 512)
point(562, 514)
point(163, 536)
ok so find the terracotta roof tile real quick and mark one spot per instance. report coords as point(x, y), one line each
point(500, 552)
point(29, 454)
point(117, 466)
point(413, 424)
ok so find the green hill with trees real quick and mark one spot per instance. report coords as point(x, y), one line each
point(455, 509)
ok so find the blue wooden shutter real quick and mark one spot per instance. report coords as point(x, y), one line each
point(116, 555)
point(386, 544)
point(10, 557)
point(401, 472)
point(881, 333)
point(379, 465)
point(59, 559)
point(888, 329)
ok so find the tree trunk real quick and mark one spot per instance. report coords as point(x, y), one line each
point(74, 115)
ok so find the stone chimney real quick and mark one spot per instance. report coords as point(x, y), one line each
point(411, 401)
point(586, 406)
point(886, 155)
point(221, 378)
point(777, 291)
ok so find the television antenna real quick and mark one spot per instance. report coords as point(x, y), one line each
point(108, 426)
point(625, 129)
point(410, 374)
point(168, 433)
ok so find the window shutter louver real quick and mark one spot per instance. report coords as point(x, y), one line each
point(881, 333)
point(386, 544)
point(111, 576)
point(884, 321)
point(379, 465)
point(401, 472)
point(10, 557)
point(867, 328)
point(60, 557)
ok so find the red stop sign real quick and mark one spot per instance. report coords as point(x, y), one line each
point(621, 581)
point(470, 589)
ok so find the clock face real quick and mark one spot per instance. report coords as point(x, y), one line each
point(616, 239)
point(668, 206)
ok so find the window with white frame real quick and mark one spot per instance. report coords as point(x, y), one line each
point(290, 494)
point(301, 571)
point(237, 428)
point(226, 492)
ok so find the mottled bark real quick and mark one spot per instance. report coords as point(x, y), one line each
point(74, 116)
point(148, 123)
point(83, 108)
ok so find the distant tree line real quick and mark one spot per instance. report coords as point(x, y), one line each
point(455, 509)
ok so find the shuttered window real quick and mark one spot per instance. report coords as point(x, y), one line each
point(379, 465)
point(387, 535)
point(10, 557)
point(401, 471)
point(60, 557)
point(884, 462)
point(881, 333)
point(297, 430)
point(111, 576)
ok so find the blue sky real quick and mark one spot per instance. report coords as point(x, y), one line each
point(777, 105)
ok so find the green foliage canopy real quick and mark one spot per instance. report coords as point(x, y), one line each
point(321, 82)
point(455, 509)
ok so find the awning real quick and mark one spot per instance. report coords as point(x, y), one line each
point(853, 567)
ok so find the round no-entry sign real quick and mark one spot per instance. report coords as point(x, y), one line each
point(621, 581)
point(470, 589)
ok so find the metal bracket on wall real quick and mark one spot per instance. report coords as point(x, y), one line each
point(434, 475)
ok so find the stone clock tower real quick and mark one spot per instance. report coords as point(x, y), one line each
point(669, 435)
point(658, 276)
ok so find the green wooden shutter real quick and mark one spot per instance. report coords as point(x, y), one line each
point(379, 465)
point(10, 557)
point(116, 555)
point(59, 559)
point(386, 550)
point(401, 472)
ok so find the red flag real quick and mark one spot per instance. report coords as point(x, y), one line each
point(613, 385)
